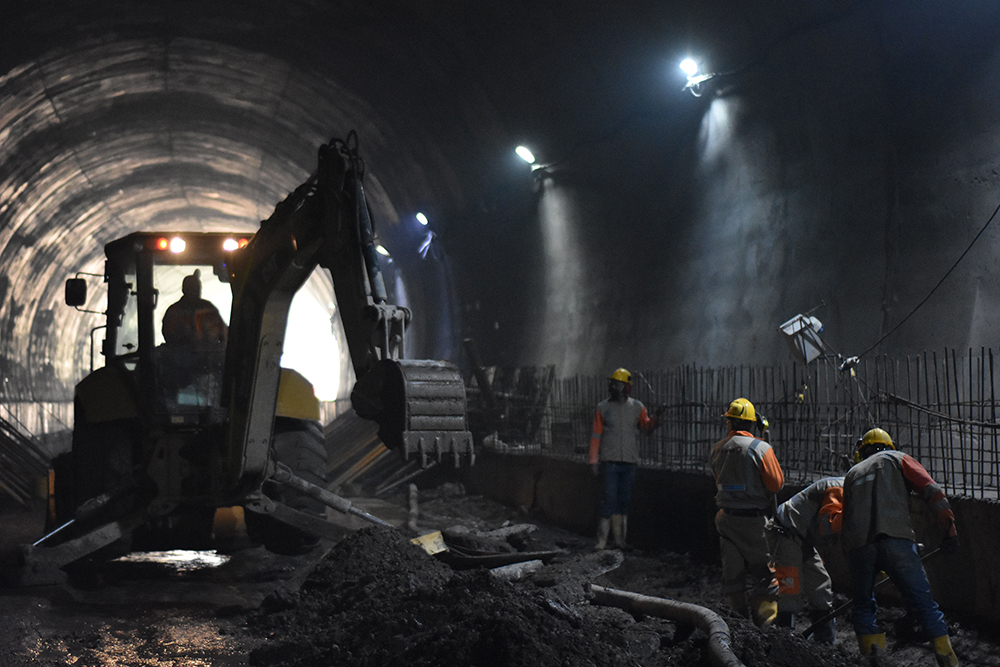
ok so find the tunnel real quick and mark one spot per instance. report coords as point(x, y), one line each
point(808, 176)
point(832, 160)
point(838, 160)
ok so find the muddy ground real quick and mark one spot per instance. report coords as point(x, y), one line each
point(374, 598)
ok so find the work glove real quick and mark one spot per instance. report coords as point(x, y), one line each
point(949, 545)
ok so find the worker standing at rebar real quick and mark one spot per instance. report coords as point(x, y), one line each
point(878, 536)
point(614, 454)
point(809, 519)
point(747, 477)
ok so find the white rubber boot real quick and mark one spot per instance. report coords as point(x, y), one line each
point(603, 528)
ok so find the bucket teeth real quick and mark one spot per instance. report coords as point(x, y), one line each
point(420, 406)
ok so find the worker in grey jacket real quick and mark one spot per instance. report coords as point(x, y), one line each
point(614, 452)
point(877, 536)
point(803, 526)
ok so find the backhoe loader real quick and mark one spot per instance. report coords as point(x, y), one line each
point(173, 427)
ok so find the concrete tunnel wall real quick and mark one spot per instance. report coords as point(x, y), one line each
point(845, 171)
point(675, 511)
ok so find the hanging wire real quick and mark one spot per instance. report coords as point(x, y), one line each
point(943, 278)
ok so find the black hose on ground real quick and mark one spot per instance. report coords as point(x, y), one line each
point(719, 640)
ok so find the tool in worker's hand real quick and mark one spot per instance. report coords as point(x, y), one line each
point(823, 620)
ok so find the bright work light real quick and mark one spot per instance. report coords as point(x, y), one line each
point(689, 67)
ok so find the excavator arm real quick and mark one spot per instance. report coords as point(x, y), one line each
point(418, 404)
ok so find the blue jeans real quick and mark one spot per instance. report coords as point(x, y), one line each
point(898, 558)
point(618, 480)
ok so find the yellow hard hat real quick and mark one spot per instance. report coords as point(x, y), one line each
point(742, 409)
point(621, 375)
point(877, 435)
point(876, 440)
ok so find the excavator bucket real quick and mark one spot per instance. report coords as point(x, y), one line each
point(420, 408)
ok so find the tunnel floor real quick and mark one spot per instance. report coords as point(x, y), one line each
point(374, 598)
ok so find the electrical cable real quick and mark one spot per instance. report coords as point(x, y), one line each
point(943, 278)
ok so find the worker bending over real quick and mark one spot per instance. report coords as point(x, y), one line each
point(878, 536)
point(747, 477)
point(803, 526)
point(614, 443)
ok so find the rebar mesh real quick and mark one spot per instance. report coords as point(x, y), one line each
point(940, 407)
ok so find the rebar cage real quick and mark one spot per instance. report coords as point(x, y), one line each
point(939, 407)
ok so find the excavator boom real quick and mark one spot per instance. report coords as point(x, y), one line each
point(418, 404)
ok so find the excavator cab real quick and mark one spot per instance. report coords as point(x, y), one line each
point(147, 423)
point(167, 321)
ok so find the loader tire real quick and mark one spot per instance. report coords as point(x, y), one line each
point(303, 449)
point(300, 445)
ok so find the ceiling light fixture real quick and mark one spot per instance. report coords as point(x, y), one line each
point(695, 80)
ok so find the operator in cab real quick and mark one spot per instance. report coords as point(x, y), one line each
point(192, 321)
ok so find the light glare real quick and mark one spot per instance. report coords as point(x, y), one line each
point(689, 66)
point(229, 245)
point(179, 559)
point(381, 250)
point(525, 154)
point(422, 219)
point(177, 245)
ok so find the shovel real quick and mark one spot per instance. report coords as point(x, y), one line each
point(432, 543)
point(842, 608)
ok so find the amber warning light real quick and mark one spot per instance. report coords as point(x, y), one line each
point(175, 245)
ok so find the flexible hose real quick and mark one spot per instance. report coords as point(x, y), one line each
point(719, 644)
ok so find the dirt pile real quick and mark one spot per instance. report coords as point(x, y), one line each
point(378, 600)
point(375, 599)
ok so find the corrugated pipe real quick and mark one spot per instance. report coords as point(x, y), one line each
point(719, 646)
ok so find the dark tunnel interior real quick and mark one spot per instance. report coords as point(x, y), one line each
point(840, 160)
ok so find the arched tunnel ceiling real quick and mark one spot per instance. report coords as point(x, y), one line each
point(117, 116)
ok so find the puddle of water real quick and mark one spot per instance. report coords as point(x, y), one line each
point(133, 637)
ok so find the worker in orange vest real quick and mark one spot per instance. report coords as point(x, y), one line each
point(193, 321)
point(803, 526)
point(747, 477)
